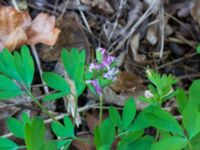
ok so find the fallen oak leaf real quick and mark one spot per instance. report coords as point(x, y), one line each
point(42, 30)
point(17, 29)
point(12, 27)
point(102, 5)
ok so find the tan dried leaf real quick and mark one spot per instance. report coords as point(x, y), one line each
point(100, 4)
point(42, 30)
point(195, 11)
point(12, 27)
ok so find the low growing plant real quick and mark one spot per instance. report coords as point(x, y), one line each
point(122, 130)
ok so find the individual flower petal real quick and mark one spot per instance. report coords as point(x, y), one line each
point(111, 74)
point(148, 94)
point(94, 66)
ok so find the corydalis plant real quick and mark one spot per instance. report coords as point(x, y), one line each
point(101, 73)
point(160, 88)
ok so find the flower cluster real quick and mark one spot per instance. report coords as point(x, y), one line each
point(102, 70)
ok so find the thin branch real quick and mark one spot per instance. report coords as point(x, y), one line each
point(162, 28)
point(46, 90)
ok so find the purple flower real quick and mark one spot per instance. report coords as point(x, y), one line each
point(111, 74)
point(96, 85)
point(107, 60)
point(94, 66)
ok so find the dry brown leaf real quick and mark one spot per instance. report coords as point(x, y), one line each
point(17, 29)
point(92, 122)
point(86, 144)
point(42, 30)
point(102, 5)
point(12, 27)
point(195, 11)
point(72, 35)
point(152, 36)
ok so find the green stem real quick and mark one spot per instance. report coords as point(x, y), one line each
point(40, 105)
point(101, 109)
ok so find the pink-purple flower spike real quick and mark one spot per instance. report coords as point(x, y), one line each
point(104, 68)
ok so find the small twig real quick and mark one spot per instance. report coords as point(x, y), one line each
point(64, 9)
point(177, 60)
point(84, 18)
point(46, 90)
point(162, 27)
point(196, 75)
point(122, 3)
point(124, 37)
point(55, 6)
point(15, 5)
point(179, 22)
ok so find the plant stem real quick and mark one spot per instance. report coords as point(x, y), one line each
point(76, 108)
point(157, 135)
point(41, 107)
point(101, 109)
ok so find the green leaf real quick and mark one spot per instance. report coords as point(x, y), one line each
point(7, 94)
point(63, 143)
point(49, 145)
point(195, 142)
point(181, 99)
point(129, 138)
point(8, 89)
point(7, 65)
point(6, 144)
point(107, 132)
point(25, 119)
point(74, 63)
point(173, 143)
point(99, 56)
point(198, 49)
point(143, 143)
point(128, 113)
point(80, 84)
point(69, 125)
point(18, 66)
point(66, 130)
point(16, 127)
point(115, 116)
point(139, 123)
point(35, 134)
point(104, 147)
point(194, 92)
point(53, 96)
point(191, 119)
point(161, 119)
point(56, 82)
point(7, 84)
point(27, 66)
point(97, 138)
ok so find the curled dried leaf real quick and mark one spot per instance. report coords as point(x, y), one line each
point(12, 27)
point(42, 30)
point(17, 29)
